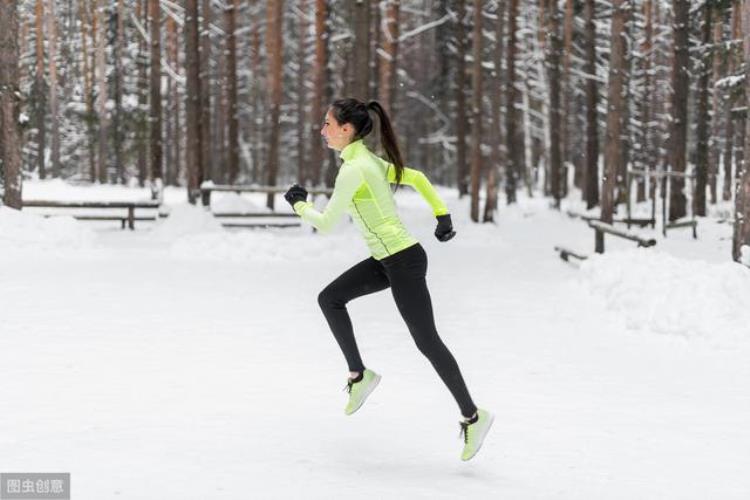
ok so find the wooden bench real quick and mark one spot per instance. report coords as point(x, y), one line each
point(257, 215)
point(566, 253)
point(640, 222)
point(207, 189)
point(600, 229)
point(128, 218)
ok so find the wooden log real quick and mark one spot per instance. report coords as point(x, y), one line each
point(601, 228)
point(254, 214)
point(240, 188)
point(90, 204)
point(566, 253)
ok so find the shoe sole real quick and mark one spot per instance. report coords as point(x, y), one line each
point(367, 393)
point(481, 438)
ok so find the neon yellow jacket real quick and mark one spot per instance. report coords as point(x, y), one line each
point(362, 189)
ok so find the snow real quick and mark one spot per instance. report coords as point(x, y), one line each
point(232, 202)
point(187, 361)
point(185, 219)
point(656, 291)
point(745, 255)
point(22, 233)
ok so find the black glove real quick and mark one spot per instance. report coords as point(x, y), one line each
point(444, 230)
point(296, 193)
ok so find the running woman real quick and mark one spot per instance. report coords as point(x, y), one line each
point(398, 261)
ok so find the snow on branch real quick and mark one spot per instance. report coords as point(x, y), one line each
point(180, 80)
point(424, 27)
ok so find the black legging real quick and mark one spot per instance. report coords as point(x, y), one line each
point(404, 272)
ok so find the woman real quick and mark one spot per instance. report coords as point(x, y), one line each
point(398, 261)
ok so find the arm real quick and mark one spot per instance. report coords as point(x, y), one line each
point(347, 182)
point(421, 183)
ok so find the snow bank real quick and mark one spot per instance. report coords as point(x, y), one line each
point(658, 292)
point(264, 245)
point(26, 232)
point(233, 202)
point(185, 219)
point(58, 189)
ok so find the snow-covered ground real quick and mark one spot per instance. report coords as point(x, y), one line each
point(185, 361)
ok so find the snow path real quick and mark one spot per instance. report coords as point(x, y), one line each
point(150, 376)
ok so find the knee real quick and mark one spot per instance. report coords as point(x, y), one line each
point(327, 298)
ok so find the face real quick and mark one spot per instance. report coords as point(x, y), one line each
point(336, 136)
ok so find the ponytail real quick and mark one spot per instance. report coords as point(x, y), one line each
point(388, 140)
point(356, 112)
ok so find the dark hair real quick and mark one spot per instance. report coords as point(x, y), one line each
point(356, 112)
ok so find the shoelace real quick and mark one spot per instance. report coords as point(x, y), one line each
point(464, 431)
point(348, 386)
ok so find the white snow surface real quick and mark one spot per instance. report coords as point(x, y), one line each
point(184, 220)
point(184, 361)
point(23, 233)
point(660, 292)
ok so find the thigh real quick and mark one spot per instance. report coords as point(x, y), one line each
point(363, 278)
point(409, 288)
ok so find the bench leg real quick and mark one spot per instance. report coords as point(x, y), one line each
point(599, 242)
point(131, 215)
point(122, 224)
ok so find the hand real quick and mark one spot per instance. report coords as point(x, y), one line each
point(444, 230)
point(296, 193)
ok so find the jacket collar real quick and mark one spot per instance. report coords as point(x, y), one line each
point(353, 149)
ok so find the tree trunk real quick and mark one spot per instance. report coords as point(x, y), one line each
point(476, 111)
point(647, 152)
point(461, 122)
point(361, 56)
point(233, 142)
point(625, 134)
point(274, 49)
point(54, 107)
point(87, 27)
point(704, 117)
point(301, 93)
point(741, 104)
point(39, 102)
point(567, 94)
point(10, 134)
point(553, 49)
point(173, 149)
point(101, 97)
point(592, 134)
point(142, 127)
point(207, 159)
point(496, 136)
point(389, 62)
point(613, 141)
point(511, 116)
point(193, 105)
point(117, 135)
point(714, 153)
point(678, 129)
point(741, 240)
point(157, 147)
point(316, 109)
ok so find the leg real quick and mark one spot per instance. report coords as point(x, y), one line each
point(362, 279)
point(409, 287)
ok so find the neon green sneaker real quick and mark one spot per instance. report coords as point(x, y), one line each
point(358, 391)
point(474, 433)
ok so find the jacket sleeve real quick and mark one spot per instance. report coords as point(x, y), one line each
point(421, 184)
point(347, 183)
